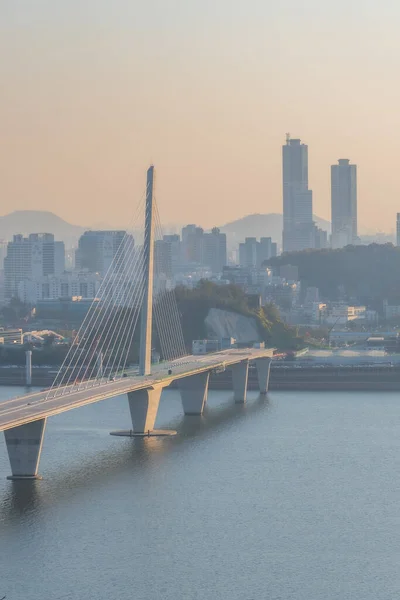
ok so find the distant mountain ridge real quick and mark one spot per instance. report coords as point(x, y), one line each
point(254, 225)
point(38, 221)
point(263, 225)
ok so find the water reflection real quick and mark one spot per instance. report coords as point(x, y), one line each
point(22, 497)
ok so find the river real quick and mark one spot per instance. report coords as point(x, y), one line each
point(293, 497)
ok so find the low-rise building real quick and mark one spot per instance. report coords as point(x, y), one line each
point(51, 287)
point(283, 294)
point(204, 346)
point(11, 336)
point(68, 309)
point(342, 313)
point(315, 312)
point(249, 279)
point(391, 311)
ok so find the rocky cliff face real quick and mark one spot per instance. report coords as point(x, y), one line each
point(223, 323)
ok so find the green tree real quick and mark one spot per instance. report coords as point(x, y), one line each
point(194, 305)
point(358, 274)
point(14, 311)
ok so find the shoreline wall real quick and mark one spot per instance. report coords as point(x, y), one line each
point(291, 378)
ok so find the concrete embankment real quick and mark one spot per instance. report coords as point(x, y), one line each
point(323, 379)
point(42, 377)
point(290, 378)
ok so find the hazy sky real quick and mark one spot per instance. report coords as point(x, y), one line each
point(93, 90)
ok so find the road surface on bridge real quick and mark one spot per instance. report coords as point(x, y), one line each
point(38, 405)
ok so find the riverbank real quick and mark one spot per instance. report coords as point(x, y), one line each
point(344, 378)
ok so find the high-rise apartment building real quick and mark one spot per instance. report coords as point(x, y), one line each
point(31, 257)
point(321, 238)
point(344, 203)
point(266, 250)
point(253, 254)
point(3, 253)
point(214, 250)
point(167, 255)
point(248, 252)
point(206, 249)
point(97, 250)
point(398, 230)
point(298, 226)
point(192, 244)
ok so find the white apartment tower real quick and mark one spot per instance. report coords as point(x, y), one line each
point(31, 257)
point(214, 250)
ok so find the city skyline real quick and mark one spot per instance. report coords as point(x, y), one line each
point(90, 98)
point(220, 302)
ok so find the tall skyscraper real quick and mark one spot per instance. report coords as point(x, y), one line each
point(32, 257)
point(298, 226)
point(398, 230)
point(344, 203)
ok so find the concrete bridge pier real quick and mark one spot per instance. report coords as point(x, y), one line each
point(194, 390)
point(263, 366)
point(28, 367)
point(24, 446)
point(240, 373)
point(143, 406)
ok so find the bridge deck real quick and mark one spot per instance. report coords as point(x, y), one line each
point(35, 406)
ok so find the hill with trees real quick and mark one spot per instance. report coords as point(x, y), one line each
point(362, 274)
point(194, 305)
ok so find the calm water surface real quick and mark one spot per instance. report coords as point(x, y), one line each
point(293, 497)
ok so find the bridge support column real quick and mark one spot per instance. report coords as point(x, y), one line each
point(143, 405)
point(194, 390)
point(263, 366)
point(24, 446)
point(240, 373)
point(28, 367)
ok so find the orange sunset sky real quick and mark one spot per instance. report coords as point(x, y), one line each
point(93, 91)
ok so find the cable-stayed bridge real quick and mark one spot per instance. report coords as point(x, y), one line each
point(119, 325)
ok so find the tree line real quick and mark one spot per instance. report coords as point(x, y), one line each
point(358, 274)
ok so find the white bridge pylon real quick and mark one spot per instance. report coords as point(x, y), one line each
point(147, 306)
point(96, 368)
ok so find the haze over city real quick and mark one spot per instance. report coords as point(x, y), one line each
point(94, 92)
point(199, 299)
